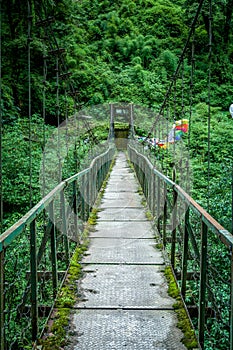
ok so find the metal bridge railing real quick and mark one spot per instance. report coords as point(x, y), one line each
point(199, 250)
point(35, 253)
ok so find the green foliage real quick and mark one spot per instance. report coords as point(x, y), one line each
point(221, 149)
point(21, 160)
point(189, 339)
point(116, 51)
point(169, 61)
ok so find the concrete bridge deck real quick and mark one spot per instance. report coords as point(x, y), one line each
point(124, 303)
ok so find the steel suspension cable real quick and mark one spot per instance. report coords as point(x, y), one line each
point(192, 28)
point(183, 166)
point(44, 137)
point(77, 135)
point(174, 101)
point(174, 120)
point(184, 161)
point(66, 119)
point(209, 97)
point(29, 39)
point(174, 134)
point(45, 21)
point(1, 129)
point(182, 89)
point(167, 125)
point(58, 120)
point(44, 117)
point(191, 89)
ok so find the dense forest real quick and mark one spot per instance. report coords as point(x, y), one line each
point(57, 55)
point(64, 61)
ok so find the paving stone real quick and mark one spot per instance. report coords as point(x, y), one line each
point(121, 195)
point(126, 186)
point(123, 329)
point(122, 214)
point(140, 286)
point(122, 203)
point(120, 250)
point(123, 229)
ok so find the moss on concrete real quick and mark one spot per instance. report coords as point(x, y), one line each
point(56, 336)
point(149, 215)
point(104, 184)
point(159, 246)
point(57, 332)
point(184, 324)
point(94, 213)
point(93, 217)
point(121, 126)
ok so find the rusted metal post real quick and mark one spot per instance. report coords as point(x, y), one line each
point(87, 195)
point(84, 191)
point(75, 207)
point(34, 282)
point(147, 183)
point(158, 204)
point(165, 216)
point(131, 133)
point(93, 184)
point(152, 190)
point(174, 223)
point(95, 181)
point(2, 307)
point(140, 172)
point(90, 188)
point(174, 220)
point(155, 194)
point(202, 292)
point(111, 129)
point(99, 180)
point(145, 179)
point(53, 250)
point(185, 255)
point(64, 227)
point(82, 194)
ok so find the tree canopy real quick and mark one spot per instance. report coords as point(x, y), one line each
point(107, 51)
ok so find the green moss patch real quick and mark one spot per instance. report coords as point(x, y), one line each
point(59, 321)
point(56, 336)
point(149, 215)
point(121, 126)
point(184, 324)
point(57, 332)
point(93, 217)
point(104, 184)
point(94, 213)
point(159, 246)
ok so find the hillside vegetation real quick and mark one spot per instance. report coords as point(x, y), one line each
point(116, 51)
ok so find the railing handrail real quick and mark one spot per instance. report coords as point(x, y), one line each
point(187, 244)
point(225, 236)
point(45, 244)
point(12, 232)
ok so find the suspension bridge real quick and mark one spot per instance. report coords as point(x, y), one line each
point(121, 299)
point(118, 255)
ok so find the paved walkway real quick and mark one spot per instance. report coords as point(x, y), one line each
point(124, 301)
